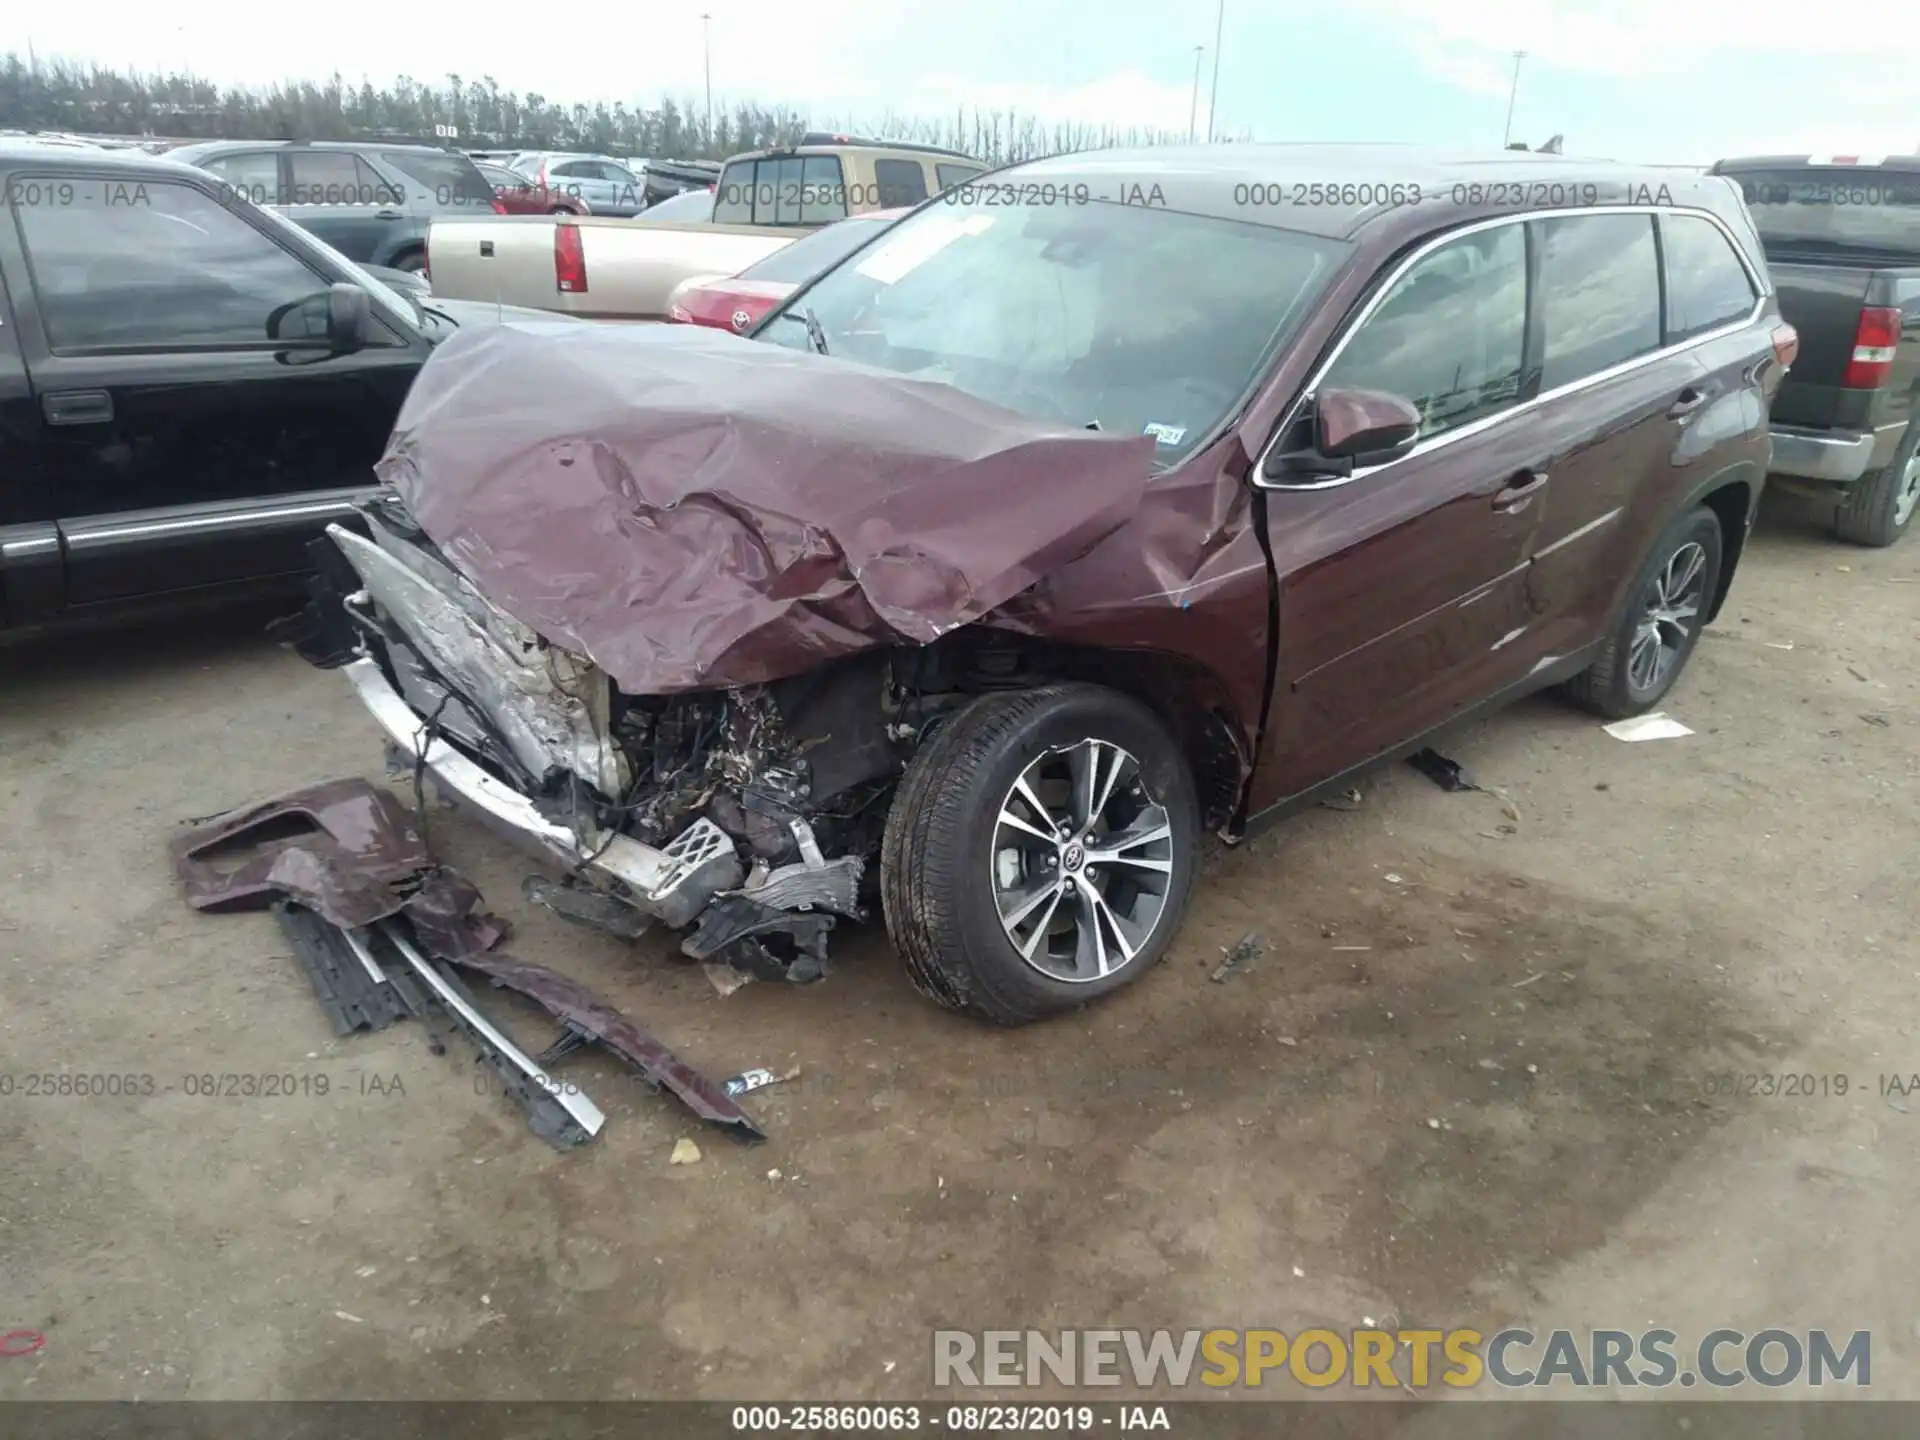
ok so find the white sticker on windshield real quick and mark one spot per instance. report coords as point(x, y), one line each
point(1165, 434)
point(900, 256)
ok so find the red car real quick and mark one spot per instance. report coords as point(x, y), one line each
point(737, 302)
point(515, 194)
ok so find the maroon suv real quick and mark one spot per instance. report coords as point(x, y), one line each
point(1113, 498)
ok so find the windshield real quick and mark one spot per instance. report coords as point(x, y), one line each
point(1801, 208)
point(810, 254)
point(1133, 319)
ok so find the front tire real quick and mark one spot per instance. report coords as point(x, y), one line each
point(1654, 637)
point(1039, 853)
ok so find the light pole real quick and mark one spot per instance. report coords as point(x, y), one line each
point(1512, 94)
point(706, 45)
point(1193, 110)
point(1213, 95)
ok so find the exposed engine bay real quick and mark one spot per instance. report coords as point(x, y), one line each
point(765, 803)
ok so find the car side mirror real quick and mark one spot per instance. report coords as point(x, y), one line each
point(1351, 429)
point(346, 316)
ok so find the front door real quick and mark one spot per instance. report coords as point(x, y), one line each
point(182, 447)
point(1403, 589)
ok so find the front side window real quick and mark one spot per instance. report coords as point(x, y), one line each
point(952, 175)
point(900, 183)
point(1599, 294)
point(152, 265)
point(1125, 319)
point(1450, 335)
point(1707, 286)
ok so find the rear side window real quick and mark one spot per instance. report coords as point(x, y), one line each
point(453, 180)
point(1818, 211)
point(151, 265)
point(900, 183)
point(1599, 294)
point(255, 174)
point(334, 177)
point(782, 190)
point(952, 175)
point(1450, 334)
point(1707, 286)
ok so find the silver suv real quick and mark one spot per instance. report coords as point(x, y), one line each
point(606, 185)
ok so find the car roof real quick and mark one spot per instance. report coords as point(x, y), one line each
point(227, 147)
point(1856, 161)
point(1365, 187)
point(129, 160)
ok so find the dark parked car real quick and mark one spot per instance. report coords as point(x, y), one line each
point(370, 202)
point(1842, 237)
point(190, 386)
point(1033, 539)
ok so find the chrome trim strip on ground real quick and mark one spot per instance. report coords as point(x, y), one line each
point(618, 857)
point(1380, 294)
point(584, 1112)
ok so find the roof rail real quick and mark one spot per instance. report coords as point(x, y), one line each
point(828, 137)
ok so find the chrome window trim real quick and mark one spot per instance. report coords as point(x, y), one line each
point(1761, 291)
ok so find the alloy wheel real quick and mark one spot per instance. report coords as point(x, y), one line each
point(1909, 495)
point(1082, 862)
point(1669, 614)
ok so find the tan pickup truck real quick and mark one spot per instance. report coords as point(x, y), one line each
point(603, 267)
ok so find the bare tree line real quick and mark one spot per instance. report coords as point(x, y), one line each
point(94, 100)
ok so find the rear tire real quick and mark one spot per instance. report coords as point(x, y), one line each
point(1654, 637)
point(967, 882)
point(1880, 508)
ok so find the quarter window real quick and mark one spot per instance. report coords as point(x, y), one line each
point(153, 265)
point(952, 175)
point(900, 182)
point(1599, 294)
point(1707, 286)
point(1449, 335)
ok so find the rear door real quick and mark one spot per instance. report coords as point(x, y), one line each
point(340, 198)
point(1403, 595)
point(1615, 402)
point(181, 446)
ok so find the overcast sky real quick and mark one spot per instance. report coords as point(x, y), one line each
point(1686, 81)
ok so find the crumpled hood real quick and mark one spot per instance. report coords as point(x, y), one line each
point(690, 509)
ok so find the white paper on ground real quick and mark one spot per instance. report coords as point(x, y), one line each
point(1657, 726)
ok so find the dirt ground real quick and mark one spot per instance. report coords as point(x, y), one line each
point(1259, 1152)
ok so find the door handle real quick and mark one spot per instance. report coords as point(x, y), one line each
point(387, 214)
point(77, 407)
point(1691, 399)
point(1521, 487)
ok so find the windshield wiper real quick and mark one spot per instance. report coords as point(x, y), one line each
point(815, 335)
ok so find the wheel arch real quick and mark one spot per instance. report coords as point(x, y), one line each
point(1733, 494)
point(1188, 698)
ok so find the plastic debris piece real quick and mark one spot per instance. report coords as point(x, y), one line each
point(685, 1152)
point(1657, 726)
point(757, 1080)
point(1244, 952)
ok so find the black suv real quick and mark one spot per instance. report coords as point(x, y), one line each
point(370, 202)
point(190, 386)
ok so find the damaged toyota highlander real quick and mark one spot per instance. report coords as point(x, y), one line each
point(1032, 541)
